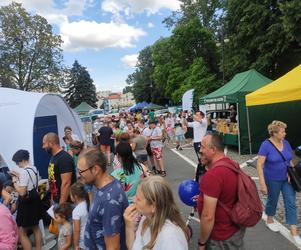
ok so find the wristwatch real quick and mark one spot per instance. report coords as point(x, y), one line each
point(201, 244)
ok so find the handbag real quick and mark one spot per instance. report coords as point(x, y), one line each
point(53, 227)
point(294, 177)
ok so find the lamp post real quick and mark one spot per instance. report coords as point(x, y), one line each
point(222, 43)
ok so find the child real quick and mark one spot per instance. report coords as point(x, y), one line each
point(61, 215)
point(80, 214)
point(179, 132)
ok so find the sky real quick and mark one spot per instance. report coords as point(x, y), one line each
point(105, 36)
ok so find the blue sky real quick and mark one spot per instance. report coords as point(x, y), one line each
point(105, 36)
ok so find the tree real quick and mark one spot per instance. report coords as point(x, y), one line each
point(80, 87)
point(263, 35)
point(209, 13)
point(141, 80)
point(127, 89)
point(192, 40)
point(162, 53)
point(30, 54)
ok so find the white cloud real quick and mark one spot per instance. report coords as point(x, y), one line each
point(130, 60)
point(85, 34)
point(137, 6)
point(90, 34)
point(44, 7)
point(150, 25)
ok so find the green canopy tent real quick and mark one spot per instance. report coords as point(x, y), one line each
point(234, 92)
point(83, 108)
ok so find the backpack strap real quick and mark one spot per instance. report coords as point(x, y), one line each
point(234, 169)
point(36, 174)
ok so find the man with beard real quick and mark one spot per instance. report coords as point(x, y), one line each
point(105, 228)
point(219, 189)
point(61, 169)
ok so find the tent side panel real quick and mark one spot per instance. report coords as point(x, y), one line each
point(243, 128)
point(261, 116)
point(42, 126)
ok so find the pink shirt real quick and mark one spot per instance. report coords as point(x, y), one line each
point(8, 229)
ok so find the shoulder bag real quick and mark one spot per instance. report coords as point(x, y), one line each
point(294, 177)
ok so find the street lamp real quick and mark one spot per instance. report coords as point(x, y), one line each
point(223, 41)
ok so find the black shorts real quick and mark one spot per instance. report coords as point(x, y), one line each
point(142, 158)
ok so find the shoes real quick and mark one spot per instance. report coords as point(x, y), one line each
point(272, 226)
point(154, 170)
point(177, 147)
point(163, 173)
point(296, 240)
point(180, 148)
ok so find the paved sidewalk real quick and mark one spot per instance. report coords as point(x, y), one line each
point(257, 238)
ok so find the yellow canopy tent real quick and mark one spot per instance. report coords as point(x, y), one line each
point(279, 100)
point(285, 89)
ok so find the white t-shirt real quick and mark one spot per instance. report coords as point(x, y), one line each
point(24, 179)
point(171, 237)
point(156, 143)
point(199, 129)
point(146, 132)
point(80, 213)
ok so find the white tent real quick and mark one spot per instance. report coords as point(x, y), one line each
point(20, 113)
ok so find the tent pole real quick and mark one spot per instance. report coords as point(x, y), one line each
point(237, 108)
point(249, 131)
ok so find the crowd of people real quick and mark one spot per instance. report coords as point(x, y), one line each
point(114, 194)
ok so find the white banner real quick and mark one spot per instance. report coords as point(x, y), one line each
point(187, 100)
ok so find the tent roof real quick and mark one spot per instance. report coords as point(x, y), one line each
point(244, 82)
point(284, 89)
point(153, 106)
point(141, 105)
point(18, 110)
point(83, 108)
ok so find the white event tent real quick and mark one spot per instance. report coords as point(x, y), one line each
point(26, 117)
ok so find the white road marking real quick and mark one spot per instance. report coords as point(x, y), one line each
point(282, 229)
point(184, 158)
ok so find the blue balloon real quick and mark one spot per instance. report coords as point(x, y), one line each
point(187, 190)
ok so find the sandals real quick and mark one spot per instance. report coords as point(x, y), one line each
point(158, 172)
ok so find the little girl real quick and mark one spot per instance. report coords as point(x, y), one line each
point(80, 214)
point(61, 215)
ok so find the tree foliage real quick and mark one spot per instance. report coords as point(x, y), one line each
point(142, 80)
point(30, 54)
point(264, 35)
point(80, 87)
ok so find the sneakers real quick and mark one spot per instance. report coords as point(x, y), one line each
point(296, 240)
point(272, 226)
point(177, 147)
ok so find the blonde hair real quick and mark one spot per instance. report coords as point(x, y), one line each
point(275, 126)
point(157, 192)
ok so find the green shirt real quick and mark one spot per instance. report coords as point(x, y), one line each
point(129, 182)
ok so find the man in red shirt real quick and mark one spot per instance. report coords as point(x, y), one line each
point(219, 184)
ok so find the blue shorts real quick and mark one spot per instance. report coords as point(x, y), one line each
point(180, 138)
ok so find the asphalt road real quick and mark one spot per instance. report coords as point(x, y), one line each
point(257, 238)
